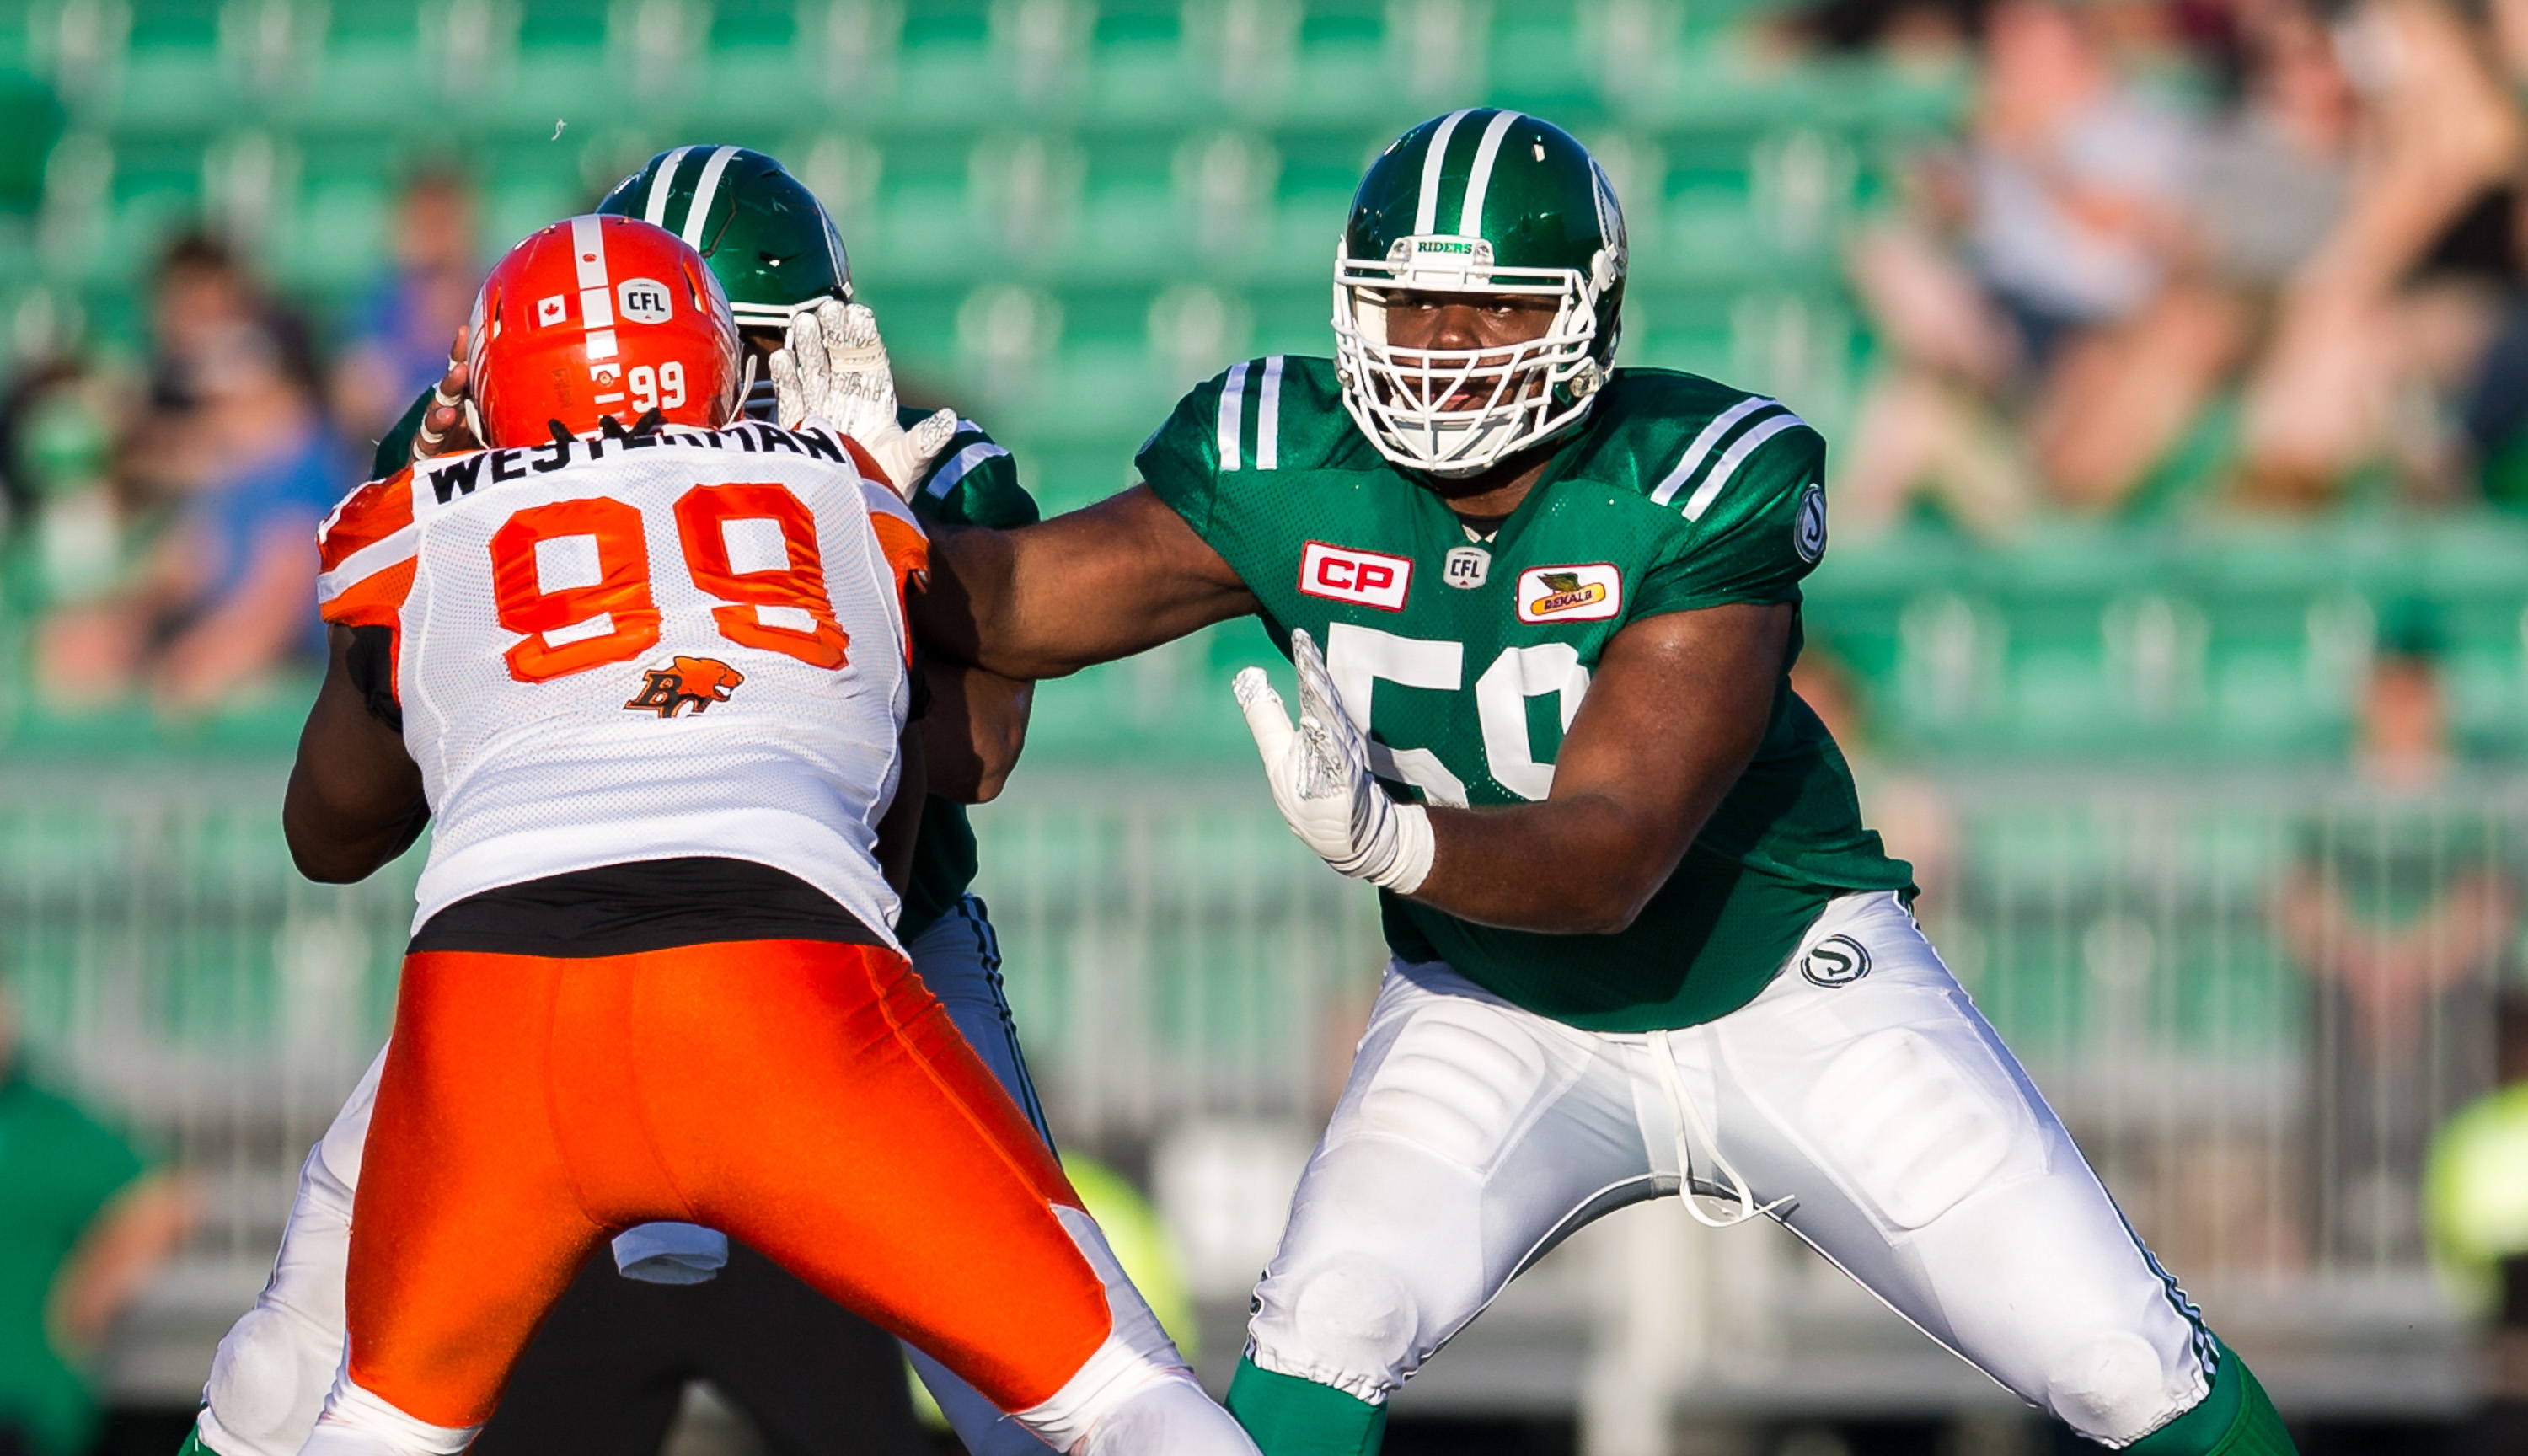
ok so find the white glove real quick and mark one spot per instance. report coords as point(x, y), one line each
point(1321, 782)
point(834, 367)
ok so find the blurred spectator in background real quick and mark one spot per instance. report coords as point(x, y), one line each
point(60, 422)
point(2400, 909)
point(84, 1223)
point(1920, 34)
point(2475, 1204)
point(2391, 313)
point(2007, 285)
point(2067, 296)
point(235, 448)
point(399, 340)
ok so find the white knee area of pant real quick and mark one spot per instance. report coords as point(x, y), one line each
point(2115, 1389)
point(268, 1383)
point(1168, 1417)
point(357, 1423)
point(1136, 1350)
point(1349, 1323)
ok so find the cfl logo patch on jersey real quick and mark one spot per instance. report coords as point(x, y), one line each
point(686, 682)
point(1571, 593)
point(1466, 566)
point(1366, 578)
point(644, 300)
point(1809, 532)
point(1836, 961)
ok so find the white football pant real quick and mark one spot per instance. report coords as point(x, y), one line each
point(1860, 1099)
point(269, 1379)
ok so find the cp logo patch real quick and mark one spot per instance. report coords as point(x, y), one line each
point(1836, 961)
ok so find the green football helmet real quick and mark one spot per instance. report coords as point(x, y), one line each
point(767, 240)
point(1479, 201)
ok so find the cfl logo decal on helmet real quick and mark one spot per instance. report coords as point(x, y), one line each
point(644, 300)
point(628, 346)
point(1836, 961)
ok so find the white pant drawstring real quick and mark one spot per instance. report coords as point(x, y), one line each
point(1664, 1051)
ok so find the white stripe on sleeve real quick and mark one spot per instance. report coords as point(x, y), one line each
point(366, 562)
point(1268, 417)
point(1703, 443)
point(1233, 413)
point(1709, 490)
point(945, 477)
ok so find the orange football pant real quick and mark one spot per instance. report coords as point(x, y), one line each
point(808, 1099)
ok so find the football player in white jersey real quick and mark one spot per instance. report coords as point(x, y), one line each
point(653, 679)
point(776, 254)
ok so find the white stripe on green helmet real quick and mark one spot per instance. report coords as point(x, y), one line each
point(766, 237)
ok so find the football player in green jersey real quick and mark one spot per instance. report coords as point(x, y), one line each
point(777, 253)
point(1543, 611)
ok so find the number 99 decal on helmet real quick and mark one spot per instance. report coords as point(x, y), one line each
point(595, 318)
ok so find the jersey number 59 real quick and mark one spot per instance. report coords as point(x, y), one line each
point(609, 616)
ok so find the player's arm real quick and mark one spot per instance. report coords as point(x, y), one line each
point(355, 798)
point(974, 730)
point(1099, 582)
point(1676, 711)
point(900, 826)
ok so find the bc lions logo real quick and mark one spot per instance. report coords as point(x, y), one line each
point(695, 680)
point(1836, 961)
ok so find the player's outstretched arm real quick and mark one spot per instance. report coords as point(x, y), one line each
point(1676, 711)
point(974, 729)
point(355, 798)
point(1090, 586)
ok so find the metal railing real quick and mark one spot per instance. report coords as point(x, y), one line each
point(2251, 1000)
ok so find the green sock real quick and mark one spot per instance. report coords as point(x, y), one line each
point(1290, 1417)
point(2235, 1417)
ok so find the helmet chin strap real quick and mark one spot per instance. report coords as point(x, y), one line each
point(737, 397)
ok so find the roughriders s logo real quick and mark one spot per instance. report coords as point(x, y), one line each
point(695, 682)
point(1808, 536)
point(1836, 961)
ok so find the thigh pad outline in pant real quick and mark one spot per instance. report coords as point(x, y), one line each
point(1420, 1203)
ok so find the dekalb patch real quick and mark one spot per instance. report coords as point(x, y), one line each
point(1367, 577)
point(1571, 593)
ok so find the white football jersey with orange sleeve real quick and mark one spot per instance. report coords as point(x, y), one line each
point(613, 650)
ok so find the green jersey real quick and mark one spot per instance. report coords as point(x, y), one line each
point(1467, 657)
point(973, 483)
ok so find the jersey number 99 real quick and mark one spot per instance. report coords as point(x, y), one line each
point(611, 615)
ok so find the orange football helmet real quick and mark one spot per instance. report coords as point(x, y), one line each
point(594, 317)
